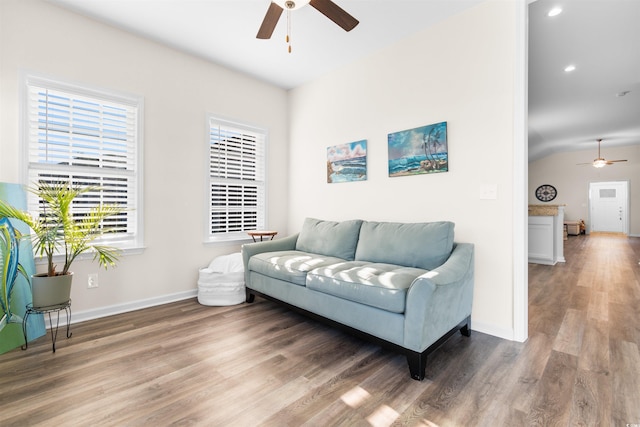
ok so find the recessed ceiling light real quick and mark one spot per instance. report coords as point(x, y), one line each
point(569, 68)
point(555, 11)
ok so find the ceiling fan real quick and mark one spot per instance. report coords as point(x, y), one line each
point(600, 162)
point(326, 7)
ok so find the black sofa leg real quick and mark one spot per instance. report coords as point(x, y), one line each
point(418, 361)
point(250, 297)
point(417, 365)
point(466, 329)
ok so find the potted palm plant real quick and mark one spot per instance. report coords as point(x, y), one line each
point(57, 232)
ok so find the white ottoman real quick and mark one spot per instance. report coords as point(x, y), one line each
point(222, 282)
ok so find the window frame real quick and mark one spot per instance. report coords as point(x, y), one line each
point(263, 134)
point(127, 244)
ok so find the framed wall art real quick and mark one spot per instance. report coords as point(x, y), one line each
point(421, 150)
point(347, 162)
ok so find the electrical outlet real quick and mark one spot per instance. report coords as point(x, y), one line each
point(92, 281)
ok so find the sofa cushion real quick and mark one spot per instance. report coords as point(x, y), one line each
point(379, 285)
point(291, 266)
point(420, 245)
point(338, 239)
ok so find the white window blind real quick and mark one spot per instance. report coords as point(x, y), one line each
point(236, 180)
point(86, 138)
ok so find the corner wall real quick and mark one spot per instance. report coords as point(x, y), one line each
point(178, 91)
point(460, 71)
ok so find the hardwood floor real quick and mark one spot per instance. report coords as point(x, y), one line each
point(259, 364)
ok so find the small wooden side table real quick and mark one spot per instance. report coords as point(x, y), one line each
point(261, 234)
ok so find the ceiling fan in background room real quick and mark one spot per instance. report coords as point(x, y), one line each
point(326, 7)
point(600, 162)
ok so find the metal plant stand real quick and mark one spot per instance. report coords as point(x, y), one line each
point(48, 310)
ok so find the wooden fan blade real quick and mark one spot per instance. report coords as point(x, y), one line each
point(609, 162)
point(335, 13)
point(270, 21)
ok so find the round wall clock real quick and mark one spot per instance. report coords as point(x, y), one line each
point(546, 193)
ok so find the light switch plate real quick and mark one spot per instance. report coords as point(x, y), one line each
point(488, 191)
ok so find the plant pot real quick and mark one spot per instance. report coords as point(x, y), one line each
point(49, 291)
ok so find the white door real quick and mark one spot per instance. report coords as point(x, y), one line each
point(609, 206)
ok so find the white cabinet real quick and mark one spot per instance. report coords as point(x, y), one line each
point(546, 225)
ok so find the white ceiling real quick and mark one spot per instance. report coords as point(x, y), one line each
point(224, 31)
point(566, 111)
point(570, 111)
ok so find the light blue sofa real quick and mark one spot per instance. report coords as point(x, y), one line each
point(406, 286)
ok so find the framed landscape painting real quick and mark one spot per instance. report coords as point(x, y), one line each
point(418, 151)
point(347, 162)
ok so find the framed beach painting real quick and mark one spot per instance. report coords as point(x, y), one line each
point(347, 162)
point(419, 151)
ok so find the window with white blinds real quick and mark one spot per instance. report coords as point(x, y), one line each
point(87, 138)
point(236, 180)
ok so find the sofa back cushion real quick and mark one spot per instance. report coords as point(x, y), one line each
point(336, 239)
point(421, 245)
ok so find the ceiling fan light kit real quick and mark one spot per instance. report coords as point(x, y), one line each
point(600, 162)
point(327, 7)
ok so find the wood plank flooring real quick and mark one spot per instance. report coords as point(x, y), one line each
point(260, 364)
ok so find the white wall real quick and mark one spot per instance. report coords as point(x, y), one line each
point(178, 91)
point(460, 71)
point(572, 180)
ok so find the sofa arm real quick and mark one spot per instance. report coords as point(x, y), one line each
point(250, 249)
point(439, 300)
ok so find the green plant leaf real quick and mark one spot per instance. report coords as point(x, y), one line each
point(55, 230)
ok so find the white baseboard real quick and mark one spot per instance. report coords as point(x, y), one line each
point(485, 328)
point(83, 316)
point(96, 313)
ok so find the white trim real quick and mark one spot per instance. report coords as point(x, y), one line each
point(232, 237)
point(239, 241)
point(112, 310)
point(206, 195)
point(520, 179)
point(139, 242)
point(89, 255)
point(97, 313)
point(627, 213)
point(489, 329)
point(80, 89)
point(28, 78)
